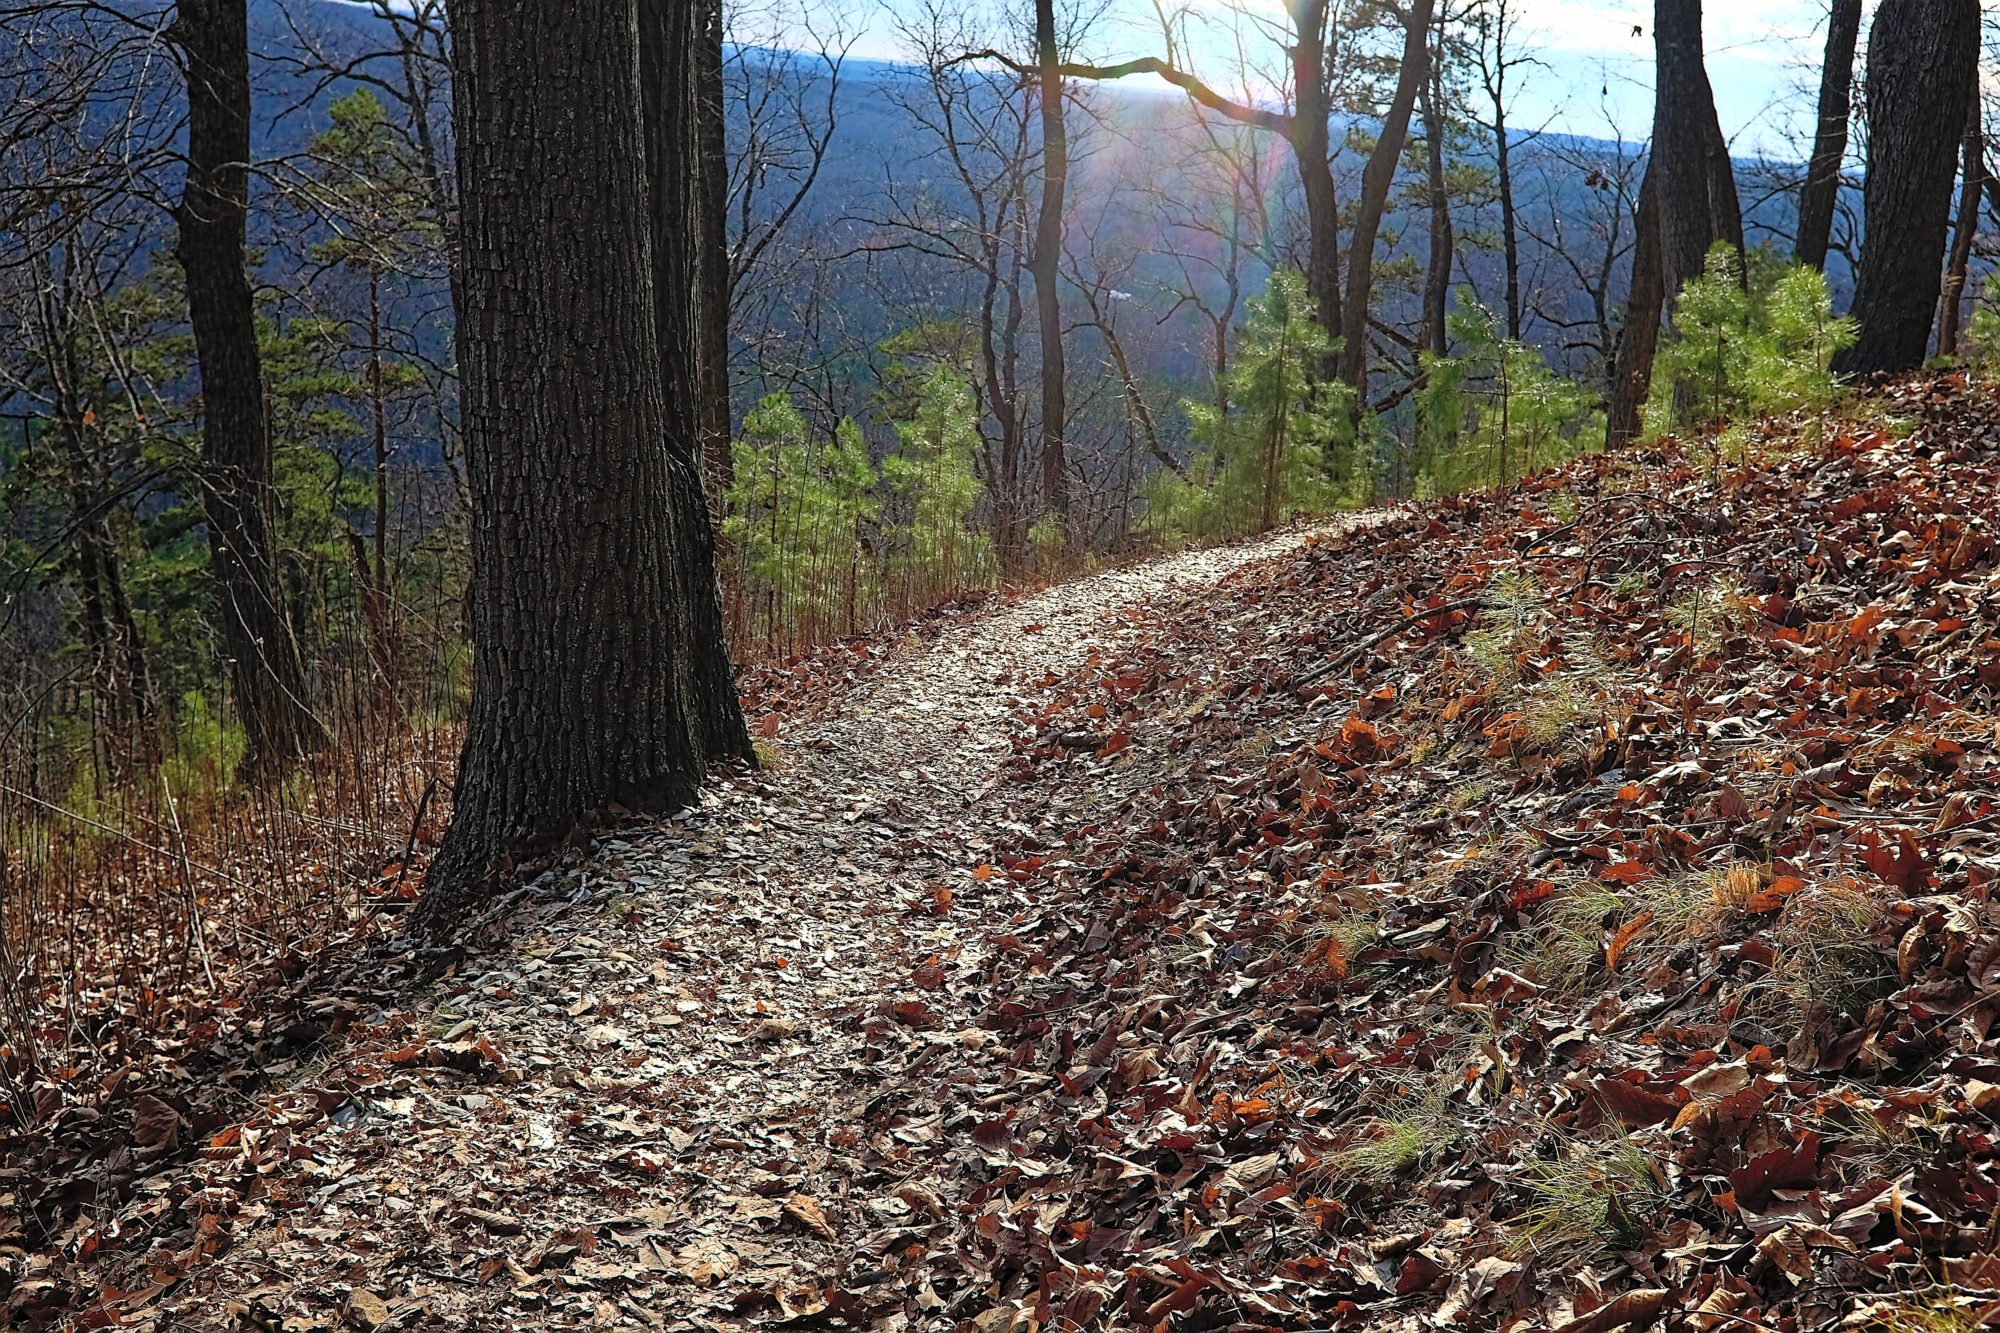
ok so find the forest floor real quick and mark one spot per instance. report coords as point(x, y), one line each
point(1563, 909)
point(647, 1106)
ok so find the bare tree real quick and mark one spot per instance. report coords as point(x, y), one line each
point(1376, 179)
point(1496, 55)
point(266, 665)
point(1437, 195)
point(1219, 201)
point(772, 74)
point(1972, 177)
point(1591, 243)
point(1821, 187)
point(1046, 259)
point(980, 139)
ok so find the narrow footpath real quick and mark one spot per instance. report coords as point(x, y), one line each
point(649, 1108)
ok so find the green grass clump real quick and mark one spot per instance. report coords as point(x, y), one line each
point(1591, 1197)
point(1829, 960)
point(1403, 1134)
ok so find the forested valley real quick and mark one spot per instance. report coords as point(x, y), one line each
point(998, 665)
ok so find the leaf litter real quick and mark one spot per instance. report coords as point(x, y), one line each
point(644, 1099)
point(1562, 909)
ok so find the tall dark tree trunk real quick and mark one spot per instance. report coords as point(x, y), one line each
point(674, 54)
point(1696, 187)
point(715, 290)
point(582, 660)
point(1687, 203)
point(1376, 178)
point(1047, 264)
point(1313, 151)
point(1972, 183)
point(1923, 56)
point(1437, 273)
point(1639, 341)
point(1821, 190)
point(266, 668)
point(1510, 231)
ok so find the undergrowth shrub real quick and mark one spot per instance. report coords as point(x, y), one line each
point(1589, 1197)
point(934, 549)
point(823, 542)
point(1495, 411)
point(796, 504)
point(1284, 447)
point(1747, 342)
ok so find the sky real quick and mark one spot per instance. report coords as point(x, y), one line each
point(1763, 60)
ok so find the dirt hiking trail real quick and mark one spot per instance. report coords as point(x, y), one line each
point(650, 1108)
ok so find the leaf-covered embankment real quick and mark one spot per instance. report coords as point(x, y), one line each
point(1565, 908)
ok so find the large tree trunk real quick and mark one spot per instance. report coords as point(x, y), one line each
point(1639, 341)
point(1376, 178)
point(1821, 190)
point(1048, 260)
point(1437, 271)
point(1923, 56)
point(1696, 187)
point(1972, 182)
point(1686, 204)
point(1313, 152)
point(580, 696)
point(266, 668)
point(715, 296)
point(674, 55)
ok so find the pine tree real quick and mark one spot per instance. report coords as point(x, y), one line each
point(1284, 446)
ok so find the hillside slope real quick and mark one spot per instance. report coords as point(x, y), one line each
point(1561, 909)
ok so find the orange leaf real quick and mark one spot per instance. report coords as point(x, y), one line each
point(1534, 893)
point(1626, 872)
point(1622, 941)
point(1334, 959)
point(1769, 900)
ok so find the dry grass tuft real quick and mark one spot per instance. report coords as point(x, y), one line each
point(1592, 1196)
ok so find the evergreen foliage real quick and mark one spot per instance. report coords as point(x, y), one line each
point(934, 545)
point(1284, 447)
point(1747, 344)
point(796, 508)
point(821, 538)
point(1494, 411)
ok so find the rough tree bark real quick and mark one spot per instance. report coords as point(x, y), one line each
point(1437, 269)
point(1314, 153)
point(1639, 341)
point(1376, 178)
point(1964, 228)
point(1696, 187)
point(1687, 203)
point(1923, 56)
point(674, 55)
point(582, 661)
point(266, 668)
point(711, 170)
point(1047, 260)
point(1821, 189)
